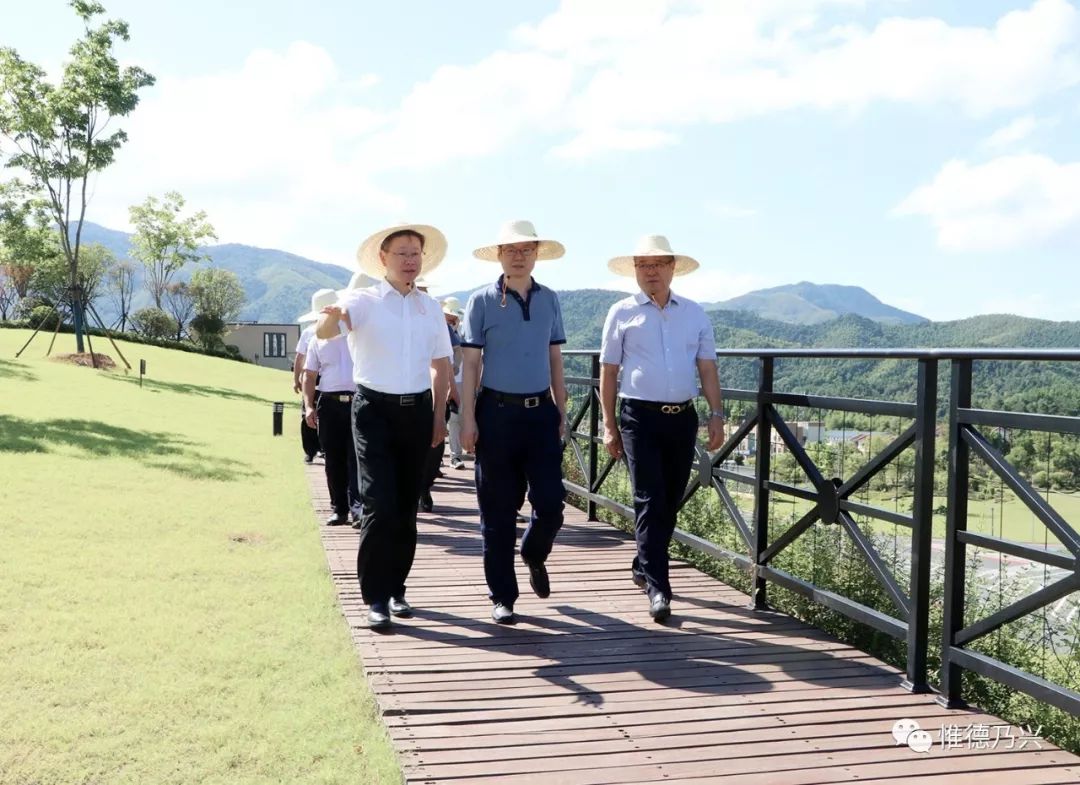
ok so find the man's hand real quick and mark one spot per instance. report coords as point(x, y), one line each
point(296, 386)
point(716, 433)
point(438, 432)
point(469, 435)
point(562, 426)
point(311, 418)
point(613, 442)
point(453, 394)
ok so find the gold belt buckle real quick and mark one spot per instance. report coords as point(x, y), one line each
point(671, 408)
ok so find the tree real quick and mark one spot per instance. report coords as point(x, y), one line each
point(51, 284)
point(218, 293)
point(180, 303)
point(153, 323)
point(26, 240)
point(8, 295)
point(164, 242)
point(120, 282)
point(59, 131)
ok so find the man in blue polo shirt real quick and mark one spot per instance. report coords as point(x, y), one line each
point(660, 341)
point(513, 416)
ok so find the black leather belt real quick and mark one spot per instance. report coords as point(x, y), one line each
point(528, 401)
point(660, 406)
point(409, 399)
point(343, 397)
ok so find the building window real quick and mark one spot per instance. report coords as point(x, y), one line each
point(273, 344)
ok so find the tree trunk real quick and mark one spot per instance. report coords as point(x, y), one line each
point(77, 311)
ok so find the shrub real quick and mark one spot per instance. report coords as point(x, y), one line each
point(44, 317)
point(153, 323)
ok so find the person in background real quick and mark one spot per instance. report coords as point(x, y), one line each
point(309, 439)
point(329, 361)
point(660, 341)
point(452, 309)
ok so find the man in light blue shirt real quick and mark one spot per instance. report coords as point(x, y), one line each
point(513, 415)
point(660, 341)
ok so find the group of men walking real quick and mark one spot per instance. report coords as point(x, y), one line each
point(382, 360)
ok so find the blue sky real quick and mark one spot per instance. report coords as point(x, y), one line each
point(927, 151)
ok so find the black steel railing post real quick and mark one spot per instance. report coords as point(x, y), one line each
point(922, 513)
point(762, 465)
point(594, 432)
point(955, 521)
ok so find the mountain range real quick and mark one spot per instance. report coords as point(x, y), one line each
point(279, 285)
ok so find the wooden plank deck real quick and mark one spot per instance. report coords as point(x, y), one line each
point(587, 689)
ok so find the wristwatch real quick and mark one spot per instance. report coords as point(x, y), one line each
point(716, 414)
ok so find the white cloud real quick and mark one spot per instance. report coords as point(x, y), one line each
point(1006, 203)
point(1016, 131)
point(665, 67)
point(596, 141)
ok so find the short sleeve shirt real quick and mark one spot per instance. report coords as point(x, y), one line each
point(657, 349)
point(515, 335)
point(395, 338)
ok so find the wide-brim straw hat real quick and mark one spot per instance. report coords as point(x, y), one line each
point(319, 300)
point(652, 245)
point(520, 232)
point(434, 249)
point(359, 280)
point(451, 305)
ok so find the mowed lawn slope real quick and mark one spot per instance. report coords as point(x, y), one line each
point(166, 615)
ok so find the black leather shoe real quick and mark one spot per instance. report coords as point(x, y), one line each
point(426, 502)
point(659, 607)
point(538, 579)
point(378, 616)
point(308, 459)
point(502, 614)
point(399, 606)
point(337, 520)
point(639, 579)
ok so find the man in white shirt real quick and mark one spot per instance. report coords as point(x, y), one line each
point(309, 440)
point(401, 367)
point(659, 340)
point(328, 361)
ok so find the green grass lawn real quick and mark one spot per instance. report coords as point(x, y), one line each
point(166, 614)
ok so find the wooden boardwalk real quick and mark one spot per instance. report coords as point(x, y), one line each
point(586, 688)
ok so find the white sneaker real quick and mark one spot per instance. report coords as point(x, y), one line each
point(457, 463)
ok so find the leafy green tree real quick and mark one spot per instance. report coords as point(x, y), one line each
point(209, 331)
point(218, 293)
point(51, 284)
point(153, 323)
point(164, 242)
point(60, 130)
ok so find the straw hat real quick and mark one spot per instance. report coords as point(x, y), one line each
point(319, 300)
point(520, 232)
point(451, 305)
point(652, 245)
point(434, 249)
point(359, 280)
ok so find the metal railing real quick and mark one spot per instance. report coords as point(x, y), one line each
point(833, 502)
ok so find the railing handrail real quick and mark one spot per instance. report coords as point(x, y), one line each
point(941, 353)
point(835, 504)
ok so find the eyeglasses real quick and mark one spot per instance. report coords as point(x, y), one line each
point(407, 257)
point(510, 250)
point(649, 267)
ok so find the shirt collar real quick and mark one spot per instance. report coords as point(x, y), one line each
point(533, 285)
point(385, 287)
point(641, 298)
